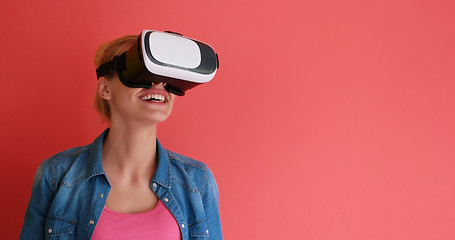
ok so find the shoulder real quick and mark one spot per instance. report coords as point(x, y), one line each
point(185, 170)
point(57, 166)
point(64, 160)
point(188, 162)
point(68, 156)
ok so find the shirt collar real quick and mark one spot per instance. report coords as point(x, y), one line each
point(94, 164)
point(162, 171)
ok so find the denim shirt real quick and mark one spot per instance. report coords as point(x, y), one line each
point(70, 191)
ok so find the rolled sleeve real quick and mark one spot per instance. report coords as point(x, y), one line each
point(210, 198)
point(38, 206)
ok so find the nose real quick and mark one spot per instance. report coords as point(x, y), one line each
point(161, 84)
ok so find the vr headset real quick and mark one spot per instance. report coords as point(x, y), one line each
point(180, 62)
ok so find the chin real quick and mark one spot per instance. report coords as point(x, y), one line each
point(157, 118)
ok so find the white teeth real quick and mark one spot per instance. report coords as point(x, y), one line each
point(156, 97)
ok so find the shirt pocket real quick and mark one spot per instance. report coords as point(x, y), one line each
point(59, 228)
point(199, 230)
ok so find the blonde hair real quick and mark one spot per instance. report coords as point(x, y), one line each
point(106, 52)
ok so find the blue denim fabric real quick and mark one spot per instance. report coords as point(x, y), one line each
point(70, 191)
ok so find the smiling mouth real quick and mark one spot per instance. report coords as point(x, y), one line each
point(154, 98)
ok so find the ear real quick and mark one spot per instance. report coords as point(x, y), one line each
point(102, 87)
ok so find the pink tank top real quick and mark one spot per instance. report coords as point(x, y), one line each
point(157, 223)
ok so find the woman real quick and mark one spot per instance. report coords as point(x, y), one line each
point(124, 185)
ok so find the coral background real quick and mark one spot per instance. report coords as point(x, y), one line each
point(328, 120)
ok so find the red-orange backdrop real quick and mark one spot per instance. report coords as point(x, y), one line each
point(327, 120)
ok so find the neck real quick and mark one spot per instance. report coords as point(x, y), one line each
point(130, 150)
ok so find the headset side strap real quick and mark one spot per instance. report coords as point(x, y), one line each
point(118, 63)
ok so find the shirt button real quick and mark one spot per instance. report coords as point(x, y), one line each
point(183, 225)
point(154, 185)
point(166, 199)
point(91, 222)
point(207, 231)
point(101, 195)
point(49, 230)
